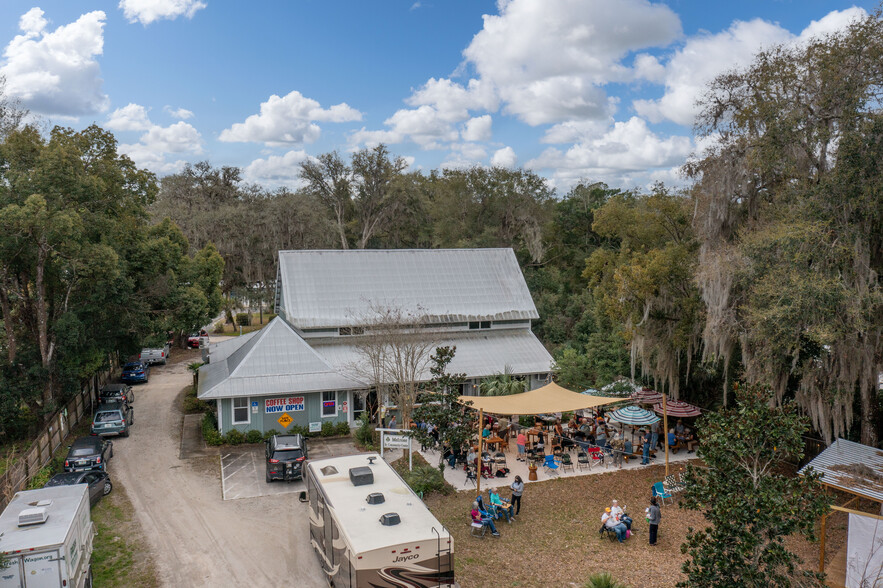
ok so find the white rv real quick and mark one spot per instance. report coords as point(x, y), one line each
point(46, 537)
point(370, 529)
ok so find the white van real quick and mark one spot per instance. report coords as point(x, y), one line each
point(46, 537)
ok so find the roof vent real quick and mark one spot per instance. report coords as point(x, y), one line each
point(361, 476)
point(33, 516)
point(376, 498)
point(390, 519)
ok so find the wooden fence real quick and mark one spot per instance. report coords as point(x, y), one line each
point(55, 433)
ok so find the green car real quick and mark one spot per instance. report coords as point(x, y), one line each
point(112, 418)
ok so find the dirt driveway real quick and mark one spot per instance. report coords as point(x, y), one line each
point(197, 538)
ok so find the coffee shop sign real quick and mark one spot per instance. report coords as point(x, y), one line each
point(292, 403)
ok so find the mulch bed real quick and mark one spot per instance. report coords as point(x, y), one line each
point(555, 541)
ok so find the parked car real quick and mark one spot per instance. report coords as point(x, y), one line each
point(113, 418)
point(154, 355)
point(285, 457)
point(99, 483)
point(116, 393)
point(135, 372)
point(88, 453)
point(197, 340)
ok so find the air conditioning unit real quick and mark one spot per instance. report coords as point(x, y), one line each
point(33, 516)
point(390, 519)
point(361, 476)
point(376, 498)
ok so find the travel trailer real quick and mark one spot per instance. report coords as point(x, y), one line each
point(370, 529)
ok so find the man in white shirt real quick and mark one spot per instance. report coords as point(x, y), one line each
point(619, 515)
point(611, 523)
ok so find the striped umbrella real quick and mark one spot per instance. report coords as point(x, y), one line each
point(647, 396)
point(633, 415)
point(678, 409)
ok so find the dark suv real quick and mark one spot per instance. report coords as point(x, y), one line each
point(285, 457)
point(116, 393)
point(88, 453)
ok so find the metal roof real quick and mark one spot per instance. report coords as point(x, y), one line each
point(62, 510)
point(478, 354)
point(838, 465)
point(339, 288)
point(275, 360)
point(221, 351)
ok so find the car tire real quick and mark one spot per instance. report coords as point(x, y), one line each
point(124, 433)
point(110, 456)
point(269, 479)
point(108, 488)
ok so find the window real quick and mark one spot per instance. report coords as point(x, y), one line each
point(358, 404)
point(329, 404)
point(344, 331)
point(240, 411)
point(479, 325)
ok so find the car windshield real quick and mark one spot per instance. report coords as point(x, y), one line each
point(63, 479)
point(82, 451)
point(108, 416)
point(287, 454)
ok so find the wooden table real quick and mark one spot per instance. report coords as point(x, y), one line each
point(495, 441)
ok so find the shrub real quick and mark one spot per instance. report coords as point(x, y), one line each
point(327, 429)
point(298, 430)
point(364, 432)
point(254, 436)
point(270, 433)
point(425, 479)
point(210, 430)
point(234, 437)
point(243, 319)
point(218, 328)
point(526, 420)
point(342, 429)
point(603, 580)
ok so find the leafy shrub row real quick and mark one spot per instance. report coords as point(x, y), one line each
point(213, 437)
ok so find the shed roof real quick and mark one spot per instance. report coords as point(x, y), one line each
point(275, 360)
point(851, 467)
point(338, 288)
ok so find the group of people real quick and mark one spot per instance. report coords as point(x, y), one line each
point(619, 522)
point(498, 507)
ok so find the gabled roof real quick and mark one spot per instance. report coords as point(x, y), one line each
point(851, 467)
point(337, 288)
point(274, 360)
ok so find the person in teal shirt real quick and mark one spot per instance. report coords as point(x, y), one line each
point(486, 432)
point(500, 505)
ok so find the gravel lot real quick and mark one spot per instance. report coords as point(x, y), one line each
point(196, 537)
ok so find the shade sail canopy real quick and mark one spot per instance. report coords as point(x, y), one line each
point(678, 409)
point(549, 398)
point(632, 415)
point(646, 396)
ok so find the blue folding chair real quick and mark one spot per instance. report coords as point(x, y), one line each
point(550, 464)
point(659, 492)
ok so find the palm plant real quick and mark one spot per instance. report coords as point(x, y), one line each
point(502, 384)
point(603, 580)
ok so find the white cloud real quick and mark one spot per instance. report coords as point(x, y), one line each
point(547, 60)
point(277, 170)
point(706, 56)
point(148, 11)
point(55, 72)
point(132, 117)
point(478, 128)
point(574, 131)
point(157, 142)
point(504, 157)
point(179, 113)
point(288, 120)
point(626, 147)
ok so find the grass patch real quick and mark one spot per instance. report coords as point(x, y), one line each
point(120, 556)
point(223, 328)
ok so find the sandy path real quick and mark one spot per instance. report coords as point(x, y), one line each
point(197, 538)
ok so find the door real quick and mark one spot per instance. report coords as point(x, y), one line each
point(96, 486)
point(10, 577)
point(42, 571)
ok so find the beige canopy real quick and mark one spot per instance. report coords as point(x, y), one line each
point(549, 398)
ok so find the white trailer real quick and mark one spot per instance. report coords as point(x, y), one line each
point(46, 537)
point(370, 530)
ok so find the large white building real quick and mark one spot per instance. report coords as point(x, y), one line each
point(306, 363)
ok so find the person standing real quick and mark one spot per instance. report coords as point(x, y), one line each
point(392, 422)
point(654, 515)
point(517, 490)
point(654, 435)
point(645, 439)
point(521, 440)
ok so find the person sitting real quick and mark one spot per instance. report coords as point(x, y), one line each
point(611, 523)
point(690, 440)
point(620, 515)
point(471, 457)
point(601, 437)
point(486, 469)
point(501, 506)
point(483, 518)
point(673, 442)
point(680, 428)
point(486, 432)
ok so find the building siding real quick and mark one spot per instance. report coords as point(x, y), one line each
point(263, 421)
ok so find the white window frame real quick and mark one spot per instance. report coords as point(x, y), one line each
point(322, 405)
point(247, 420)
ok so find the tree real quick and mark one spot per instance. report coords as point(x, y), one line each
point(440, 406)
point(793, 174)
point(330, 180)
point(752, 506)
point(502, 384)
point(375, 173)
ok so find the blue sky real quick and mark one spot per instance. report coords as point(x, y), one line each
point(573, 89)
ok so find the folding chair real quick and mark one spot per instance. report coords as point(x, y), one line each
point(566, 462)
point(597, 455)
point(582, 460)
point(478, 529)
point(671, 485)
point(470, 476)
point(659, 492)
point(550, 465)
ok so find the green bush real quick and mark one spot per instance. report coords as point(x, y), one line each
point(603, 580)
point(243, 319)
point(218, 328)
point(298, 430)
point(270, 433)
point(254, 436)
point(342, 429)
point(425, 479)
point(234, 437)
point(327, 429)
point(46, 472)
point(364, 432)
point(210, 430)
